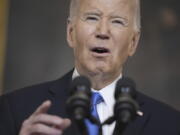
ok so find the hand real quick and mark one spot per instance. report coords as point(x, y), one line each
point(42, 123)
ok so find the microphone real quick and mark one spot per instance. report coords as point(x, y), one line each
point(125, 109)
point(78, 104)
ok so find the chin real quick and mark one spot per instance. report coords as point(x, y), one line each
point(99, 70)
point(95, 67)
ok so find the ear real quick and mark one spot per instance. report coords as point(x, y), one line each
point(134, 43)
point(69, 33)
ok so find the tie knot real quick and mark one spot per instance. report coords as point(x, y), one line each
point(96, 98)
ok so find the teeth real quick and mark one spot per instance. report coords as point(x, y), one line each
point(100, 50)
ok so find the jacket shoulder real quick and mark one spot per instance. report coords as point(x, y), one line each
point(161, 116)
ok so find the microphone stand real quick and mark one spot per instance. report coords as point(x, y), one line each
point(98, 123)
point(119, 128)
point(100, 129)
point(81, 126)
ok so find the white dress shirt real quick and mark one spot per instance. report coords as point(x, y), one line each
point(105, 109)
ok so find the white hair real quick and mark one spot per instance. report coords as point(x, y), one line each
point(137, 17)
point(74, 4)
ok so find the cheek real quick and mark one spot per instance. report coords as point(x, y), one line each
point(84, 32)
point(83, 36)
point(122, 40)
point(121, 49)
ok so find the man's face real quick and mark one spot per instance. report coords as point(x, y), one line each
point(103, 35)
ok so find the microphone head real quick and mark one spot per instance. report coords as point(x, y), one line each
point(80, 83)
point(125, 85)
point(125, 107)
point(78, 103)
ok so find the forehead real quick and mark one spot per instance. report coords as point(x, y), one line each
point(108, 6)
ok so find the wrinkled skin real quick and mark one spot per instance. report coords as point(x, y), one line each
point(108, 24)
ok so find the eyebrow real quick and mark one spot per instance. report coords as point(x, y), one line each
point(93, 12)
point(99, 14)
point(117, 16)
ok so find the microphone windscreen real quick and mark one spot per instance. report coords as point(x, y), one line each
point(125, 85)
point(80, 83)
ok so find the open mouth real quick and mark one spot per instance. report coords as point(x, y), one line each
point(100, 50)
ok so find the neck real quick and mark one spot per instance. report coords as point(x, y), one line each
point(100, 80)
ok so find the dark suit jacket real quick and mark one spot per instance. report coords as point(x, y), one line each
point(158, 118)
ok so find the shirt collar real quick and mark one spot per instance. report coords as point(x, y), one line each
point(107, 92)
point(75, 74)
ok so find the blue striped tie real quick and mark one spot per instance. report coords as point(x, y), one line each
point(93, 129)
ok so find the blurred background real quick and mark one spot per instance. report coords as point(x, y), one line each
point(33, 46)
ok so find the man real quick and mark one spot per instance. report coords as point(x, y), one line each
point(102, 34)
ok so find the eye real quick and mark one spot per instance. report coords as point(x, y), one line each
point(120, 22)
point(91, 18)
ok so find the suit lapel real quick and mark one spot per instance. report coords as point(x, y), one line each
point(59, 93)
point(137, 126)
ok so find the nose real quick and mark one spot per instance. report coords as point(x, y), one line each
point(102, 30)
